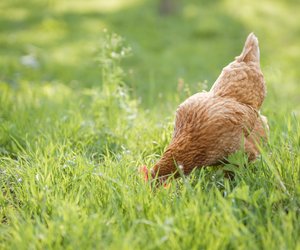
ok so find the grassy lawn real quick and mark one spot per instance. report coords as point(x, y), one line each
point(80, 111)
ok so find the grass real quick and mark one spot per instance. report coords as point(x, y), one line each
point(77, 120)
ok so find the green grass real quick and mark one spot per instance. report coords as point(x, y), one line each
point(76, 121)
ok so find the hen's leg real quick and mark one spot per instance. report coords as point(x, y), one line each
point(258, 134)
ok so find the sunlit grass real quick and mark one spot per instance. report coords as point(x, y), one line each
point(73, 133)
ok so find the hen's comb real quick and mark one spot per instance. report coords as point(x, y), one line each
point(145, 172)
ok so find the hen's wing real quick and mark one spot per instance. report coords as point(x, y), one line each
point(208, 129)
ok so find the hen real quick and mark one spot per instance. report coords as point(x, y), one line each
point(210, 126)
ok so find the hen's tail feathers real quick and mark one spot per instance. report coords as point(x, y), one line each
point(250, 52)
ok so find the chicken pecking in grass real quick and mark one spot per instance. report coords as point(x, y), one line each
point(209, 126)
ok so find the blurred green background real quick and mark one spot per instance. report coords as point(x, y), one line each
point(172, 41)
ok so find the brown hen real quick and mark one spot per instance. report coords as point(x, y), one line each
point(210, 126)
